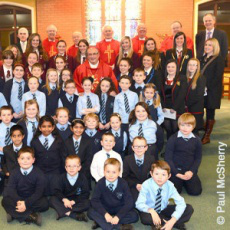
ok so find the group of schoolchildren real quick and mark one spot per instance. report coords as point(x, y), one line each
point(63, 141)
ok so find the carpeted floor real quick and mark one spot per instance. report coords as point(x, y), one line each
point(205, 206)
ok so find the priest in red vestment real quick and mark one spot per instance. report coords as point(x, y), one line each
point(168, 42)
point(49, 44)
point(95, 68)
point(139, 40)
point(72, 51)
point(108, 48)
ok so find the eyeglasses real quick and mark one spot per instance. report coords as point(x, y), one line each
point(139, 147)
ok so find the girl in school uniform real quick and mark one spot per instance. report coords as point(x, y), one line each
point(6, 70)
point(32, 58)
point(194, 100)
point(65, 75)
point(49, 150)
point(51, 90)
point(212, 67)
point(121, 136)
point(16, 52)
point(103, 90)
point(152, 73)
point(126, 51)
point(179, 52)
point(34, 44)
point(60, 64)
point(142, 125)
point(173, 94)
point(151, 45)
point(88, 102)
point(153, 100)
point(80, 145)
point(61, 51)
point(83, 45)
point(30, 120)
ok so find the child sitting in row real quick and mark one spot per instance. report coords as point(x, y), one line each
point(23, 199)
point(97, 166)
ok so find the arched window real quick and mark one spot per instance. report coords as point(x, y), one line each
point(12, 18)
point(122, 15)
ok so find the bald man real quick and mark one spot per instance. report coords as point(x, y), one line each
point(108, 47)
point(49, 44)
point(23, 36)
point(93, 67)
point(72, 51)
point(168, 42)
point(139, 40)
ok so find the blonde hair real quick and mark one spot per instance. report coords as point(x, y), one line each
point(112, 161)
point(28, 103)
point(121, 51)
point(47, 85)
point(91, 115)
point(187, 118)
point(156, 97)
point(215, 45)
point(61, 109)
point(19, 55)
point(197, 73)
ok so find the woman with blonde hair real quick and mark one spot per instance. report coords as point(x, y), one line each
point(194, 100)
point(126, 51)
point(16, 52)
point(212, 67)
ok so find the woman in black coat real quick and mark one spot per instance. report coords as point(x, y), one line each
point(194, 100)
point(212, 67)
point(173, 94)
point(179, 52)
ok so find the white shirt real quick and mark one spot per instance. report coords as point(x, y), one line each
point(94, 66)
point(97, 165)
point(148, 70)
point(23, 46)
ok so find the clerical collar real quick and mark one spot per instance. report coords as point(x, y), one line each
point(108, 40)
point(141, 39)
point(94, 66)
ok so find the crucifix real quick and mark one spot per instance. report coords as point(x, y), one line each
point(109, 52)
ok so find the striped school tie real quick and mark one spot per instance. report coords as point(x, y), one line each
point(25, 173)
point(16, 150)
point(108, 155)
point(34, 96)
point(19, 91)
point(110, 187)
point(139, 162)
point(46, 144)
point(7, 137)
point(140, 131)
point(116, 134)
point(158, 201)
point(89, 103)
point(148, 102)
point(126, 101)
point(103, 112)
point(53, 88)
point(33, 126)
point(76, 147)
point(71, 99)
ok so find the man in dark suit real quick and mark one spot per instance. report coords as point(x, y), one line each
point(211, 32)
point(23, 35)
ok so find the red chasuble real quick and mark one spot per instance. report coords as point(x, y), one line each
point(50, 46)
point(84, 70)
point(72, 51)
point(108, 51)
point(138, 45)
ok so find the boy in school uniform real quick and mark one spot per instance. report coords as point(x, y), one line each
point(154, 197)
point(71, 191)
point(137, 166)
point(10, 157)
point(97, 166)
point(112, 204)
point(69, 99)
point(183, 154)
point(63, 127)
point(125, 101)
point(138, 84)
point(23, 198)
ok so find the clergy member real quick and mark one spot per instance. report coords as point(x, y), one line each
point(23, 36)
point(167, 44)
point(72, 51)
point(93, 67)
point(49, 44)
point(108, 48)
point(139, 40)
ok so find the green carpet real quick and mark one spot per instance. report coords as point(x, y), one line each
point(205, 206)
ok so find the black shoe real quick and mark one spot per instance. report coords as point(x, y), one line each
point(9, 218)
point(81, 217)
point(180, 226)
point(126, 227)
point(95, 225)
point(34, 218)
